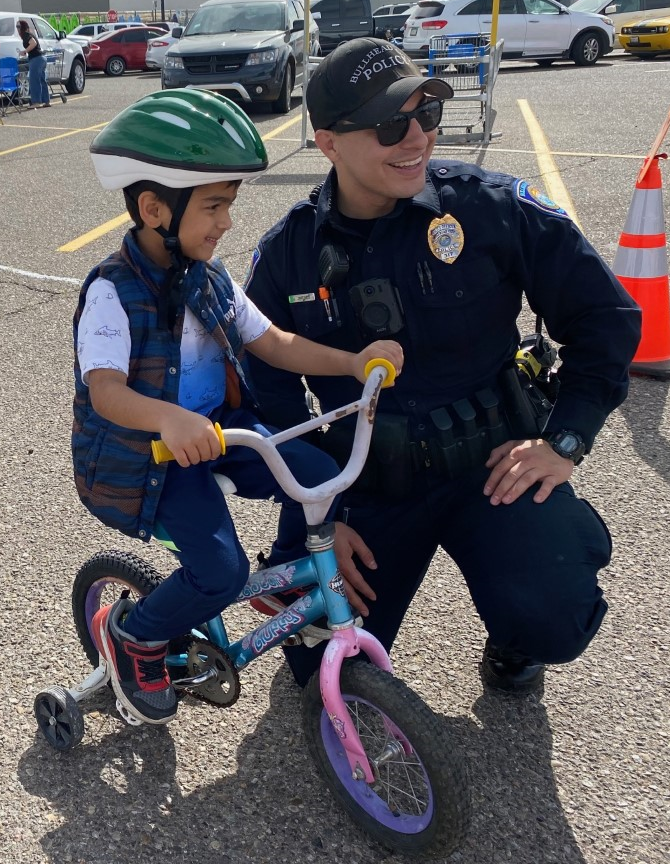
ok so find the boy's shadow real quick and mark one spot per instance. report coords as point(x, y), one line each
point(121, 798)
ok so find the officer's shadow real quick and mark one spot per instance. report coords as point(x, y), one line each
point(644, 411)
point(118, 798)
point(516, 812)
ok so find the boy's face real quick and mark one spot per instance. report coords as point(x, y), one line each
point(206, 219)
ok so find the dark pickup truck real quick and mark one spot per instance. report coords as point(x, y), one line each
point(341, 20)
point(390, 20)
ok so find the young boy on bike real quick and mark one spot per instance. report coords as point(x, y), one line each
point(159, 332)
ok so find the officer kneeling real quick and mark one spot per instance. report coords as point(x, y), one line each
point(466, 453)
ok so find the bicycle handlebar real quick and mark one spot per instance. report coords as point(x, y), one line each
point(379, 373)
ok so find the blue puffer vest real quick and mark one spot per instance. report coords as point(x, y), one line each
point(115, 475)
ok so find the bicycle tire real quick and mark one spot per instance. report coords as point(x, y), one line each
point(373, 698)
point(103, 571)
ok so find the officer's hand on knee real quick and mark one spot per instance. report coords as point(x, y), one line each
point(518, 465)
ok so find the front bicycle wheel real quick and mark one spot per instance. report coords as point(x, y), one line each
point(419, 803)
point(99, 582)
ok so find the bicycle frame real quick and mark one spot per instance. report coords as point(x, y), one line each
point(318, 569)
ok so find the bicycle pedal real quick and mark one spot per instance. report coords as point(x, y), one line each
point(130, 719)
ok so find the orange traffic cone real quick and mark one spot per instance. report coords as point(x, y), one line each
point(641, 265)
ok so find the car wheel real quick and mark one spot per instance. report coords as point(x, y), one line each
point(586, 49)
point(115, 66)
point(544, 63)
point(282, 105)
point(77, 79)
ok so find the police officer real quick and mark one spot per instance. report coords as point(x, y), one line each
point(438, 255)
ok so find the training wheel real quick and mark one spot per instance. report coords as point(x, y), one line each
point(59, 718)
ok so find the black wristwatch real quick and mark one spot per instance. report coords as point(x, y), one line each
point(568, 444)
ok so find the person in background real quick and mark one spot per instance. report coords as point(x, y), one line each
point(37, 66)
point(440, 255)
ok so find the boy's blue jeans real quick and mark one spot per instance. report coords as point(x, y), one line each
point(214, 567)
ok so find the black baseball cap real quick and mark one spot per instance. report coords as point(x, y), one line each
point(366, 81)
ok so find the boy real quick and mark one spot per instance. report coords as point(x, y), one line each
point(158, 332)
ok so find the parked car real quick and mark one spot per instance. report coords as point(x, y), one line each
point(341, 20)
point(389, 21)
point(541, 30)
point(646, 38)
point(157, 49)
point(624, 11)
point(114, 53)
point(252, 51)
point(74, 65)
point(85, 33)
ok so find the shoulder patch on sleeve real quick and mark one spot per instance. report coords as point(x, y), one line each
point(532, 195)
point(255, 258)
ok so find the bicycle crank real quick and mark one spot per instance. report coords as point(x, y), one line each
point(212, 676)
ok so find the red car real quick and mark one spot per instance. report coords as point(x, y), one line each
point(119, 50)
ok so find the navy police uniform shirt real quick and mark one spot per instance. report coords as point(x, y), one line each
point(461, 254)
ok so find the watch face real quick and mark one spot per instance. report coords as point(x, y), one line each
point(569, 442)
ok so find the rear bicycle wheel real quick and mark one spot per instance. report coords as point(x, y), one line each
point(99, 582)
point(419, 803)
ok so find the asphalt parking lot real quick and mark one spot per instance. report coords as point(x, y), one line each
point(579, 776)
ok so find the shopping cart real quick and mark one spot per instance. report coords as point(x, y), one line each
point(469, 64)
point(55, 58)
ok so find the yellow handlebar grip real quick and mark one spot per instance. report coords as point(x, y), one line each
point(161, 453)
point(390, 368)
point(222, 440)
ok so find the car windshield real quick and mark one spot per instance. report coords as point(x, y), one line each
point(236, 18)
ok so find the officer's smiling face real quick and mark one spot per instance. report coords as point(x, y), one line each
point(371, 177)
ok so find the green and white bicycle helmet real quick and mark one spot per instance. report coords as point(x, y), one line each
point(180, 138)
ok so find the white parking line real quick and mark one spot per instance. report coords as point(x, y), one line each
point(16, 272)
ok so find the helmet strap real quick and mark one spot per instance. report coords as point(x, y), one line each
point(171, 290)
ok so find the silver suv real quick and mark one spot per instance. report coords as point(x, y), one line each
point(74, 65)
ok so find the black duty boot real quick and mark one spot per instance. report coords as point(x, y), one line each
point(510, 673)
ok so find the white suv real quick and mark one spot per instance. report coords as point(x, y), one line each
point(86, 33)
point(74, 65)
point(540, 30)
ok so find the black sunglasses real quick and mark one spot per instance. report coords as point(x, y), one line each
point(393, 130)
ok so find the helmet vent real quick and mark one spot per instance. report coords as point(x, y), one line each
point(172, 118)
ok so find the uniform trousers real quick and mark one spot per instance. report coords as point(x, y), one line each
point(531, 569)
point(194, 513)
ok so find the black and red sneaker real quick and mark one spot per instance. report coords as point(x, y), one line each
point(137, 669)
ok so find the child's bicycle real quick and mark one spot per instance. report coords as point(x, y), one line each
point(383, 753)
